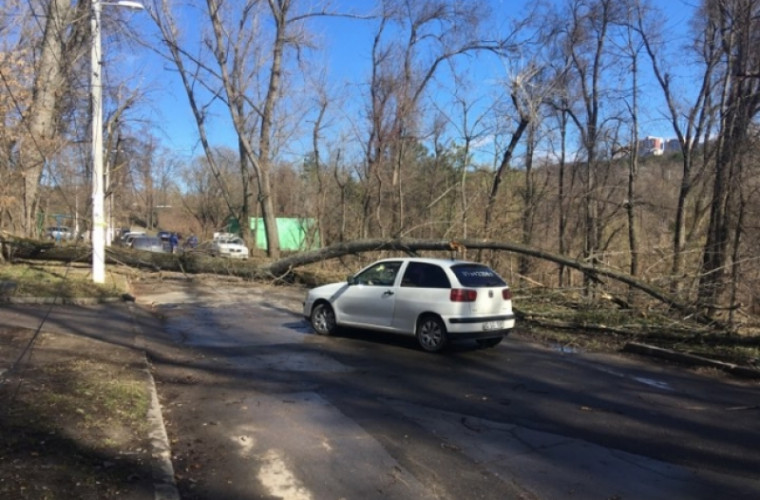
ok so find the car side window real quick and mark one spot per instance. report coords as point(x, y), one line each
point(423, 275)
point(413, 275)
point(381, 274)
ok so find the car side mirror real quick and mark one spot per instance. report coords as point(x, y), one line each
point(351, 280)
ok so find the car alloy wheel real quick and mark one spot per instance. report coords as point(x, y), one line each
point(323, 319)
point(431, 334)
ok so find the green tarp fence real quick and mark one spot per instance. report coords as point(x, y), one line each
point(296, 234)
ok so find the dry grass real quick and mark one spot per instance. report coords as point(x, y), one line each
point(565, 320)
point(48, 280)
point(72, 423)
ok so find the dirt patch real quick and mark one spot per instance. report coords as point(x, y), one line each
point(72, 418)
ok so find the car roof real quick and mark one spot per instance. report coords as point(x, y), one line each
point(430, 260)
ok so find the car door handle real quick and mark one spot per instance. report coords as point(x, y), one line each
point(388, 292)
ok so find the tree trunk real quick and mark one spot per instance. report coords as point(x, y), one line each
point(280, 9)
point(740, 103)
point(562, 222)
point(43, 112)
point(633, 167)
point(505, 160)
point(529, 202)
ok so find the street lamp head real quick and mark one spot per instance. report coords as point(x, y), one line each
point(130, 4)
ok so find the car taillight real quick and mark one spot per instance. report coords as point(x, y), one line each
point(463, 295)
point(506, 294)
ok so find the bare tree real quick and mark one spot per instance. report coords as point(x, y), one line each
point(16, 81)
point(525, 107)
point(59, 43)
point(316, 165)
point(470, 130)
point(736, 28)
point(690, 121)
point(433, 32)
point(247, 71)
point(200, 82)
point(631, 47)
point(205, 190)
point(43, 79)
point(585, 43)
point(558, 105)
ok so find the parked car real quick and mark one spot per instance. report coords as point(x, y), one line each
point(148, 244)
point(59, 233)
point(229, 245)
point(128, 238)
point(191, 242)
point(436, 300)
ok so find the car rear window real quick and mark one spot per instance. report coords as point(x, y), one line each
point(477, 275)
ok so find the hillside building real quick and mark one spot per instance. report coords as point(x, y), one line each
point(651, 146)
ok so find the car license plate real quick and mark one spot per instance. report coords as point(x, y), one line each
point(492, 325)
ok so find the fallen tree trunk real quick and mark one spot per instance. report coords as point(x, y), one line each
point(189, 262)
point(195, 262)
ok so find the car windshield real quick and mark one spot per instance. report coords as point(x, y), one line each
point(477, 275)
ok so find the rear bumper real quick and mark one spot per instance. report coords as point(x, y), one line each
point(479, 320)
point(230, 255)
point(474, 327)
point(486, 334)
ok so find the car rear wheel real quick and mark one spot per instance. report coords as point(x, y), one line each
point(431, 334)
point(323, 319)
point(490, 342)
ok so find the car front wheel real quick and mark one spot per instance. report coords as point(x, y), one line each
point(431, 334)
point(323, 319)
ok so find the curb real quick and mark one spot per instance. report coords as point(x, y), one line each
point(165, 488)
point(164, 485)
point(691, 359)
point(61, 300)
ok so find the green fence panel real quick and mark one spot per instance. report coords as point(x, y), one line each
point(296, 234)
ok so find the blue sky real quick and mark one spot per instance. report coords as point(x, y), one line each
point(345, 53)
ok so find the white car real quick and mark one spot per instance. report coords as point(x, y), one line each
point(229, 246)
point(436, 300)
point(59, 233)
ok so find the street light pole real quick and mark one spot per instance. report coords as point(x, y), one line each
point(96, 93)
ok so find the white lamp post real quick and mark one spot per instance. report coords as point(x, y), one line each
point(96, 91)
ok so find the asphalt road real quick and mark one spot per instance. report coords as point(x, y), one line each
point(257, 406)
